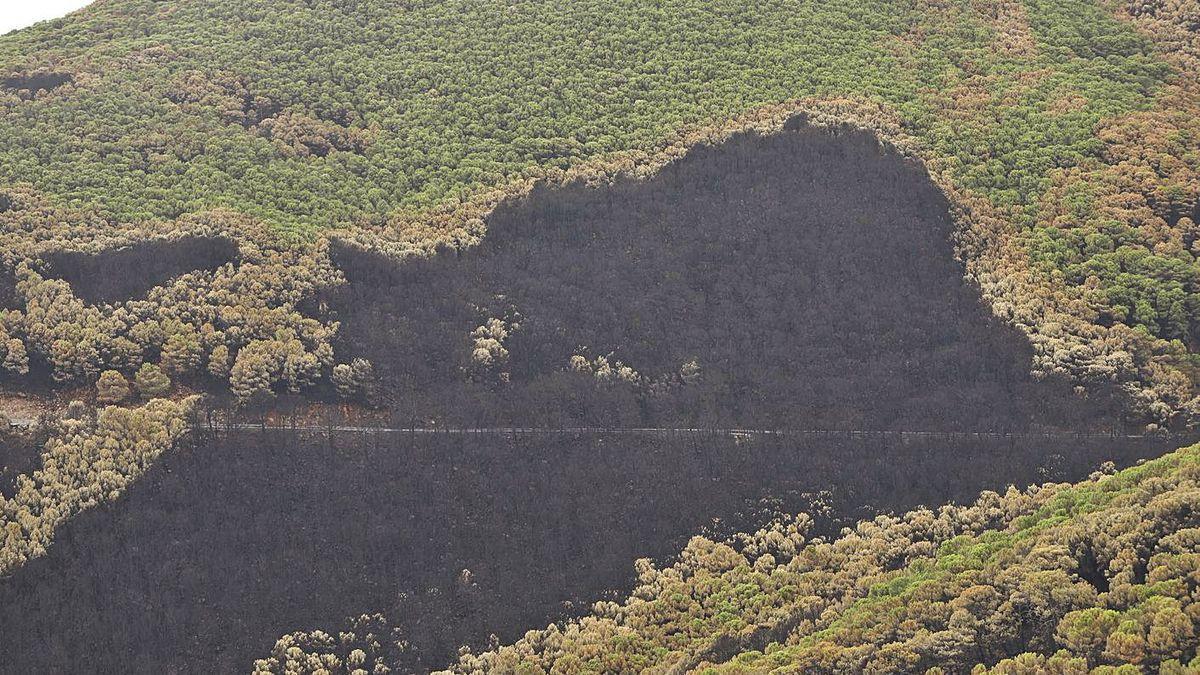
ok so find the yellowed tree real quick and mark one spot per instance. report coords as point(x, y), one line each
point(151, 381)
point(112, 387)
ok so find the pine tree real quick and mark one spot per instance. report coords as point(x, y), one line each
point(112, 388)
point(151, 381)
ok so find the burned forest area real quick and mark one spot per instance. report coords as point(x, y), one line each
point(495, 337)
point(804, 280)
point(800, 280)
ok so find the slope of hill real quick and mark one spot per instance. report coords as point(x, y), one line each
point(1064, 138)
point(228, 167)
point(1061, 578)
point(319, 113)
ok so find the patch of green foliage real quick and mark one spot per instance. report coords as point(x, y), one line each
point(460, 95)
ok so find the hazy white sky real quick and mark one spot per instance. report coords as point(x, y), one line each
point(16, 14)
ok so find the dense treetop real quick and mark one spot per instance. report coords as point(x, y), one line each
point(313, 113)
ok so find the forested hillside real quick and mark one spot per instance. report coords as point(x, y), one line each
point(318, 113)
point(1064, 134)
point(584, 279)
point(1100, 576)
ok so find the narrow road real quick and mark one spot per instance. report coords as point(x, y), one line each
point(673, 431)
point(21, 421)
